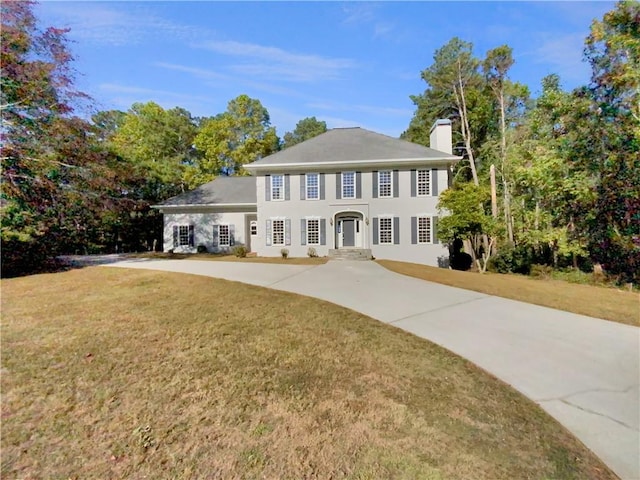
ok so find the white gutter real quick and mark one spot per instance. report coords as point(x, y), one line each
point(210, 205)
point(345, 164)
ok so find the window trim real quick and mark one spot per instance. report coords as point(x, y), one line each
point(273, 231)
point(430, 230)
point(353, 184)
point(180, 229)
point(391, 232)
point(306, 186)
point(380, 195)
point(313, 219)
point(282, 187)
point(428, 171)
point(228, 226)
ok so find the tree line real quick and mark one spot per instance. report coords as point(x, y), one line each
point(566, 163)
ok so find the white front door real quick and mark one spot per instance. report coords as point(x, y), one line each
point(253, 233)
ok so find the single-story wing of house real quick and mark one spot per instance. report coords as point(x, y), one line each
point(347, 191)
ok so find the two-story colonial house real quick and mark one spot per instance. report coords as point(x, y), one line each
point(348, 189)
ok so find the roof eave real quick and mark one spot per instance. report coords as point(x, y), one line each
point(193, 206)
point(255, 167)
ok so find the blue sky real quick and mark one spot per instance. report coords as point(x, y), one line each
point(350, 64)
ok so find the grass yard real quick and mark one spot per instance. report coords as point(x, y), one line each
point(112, 373)
point(594, 301)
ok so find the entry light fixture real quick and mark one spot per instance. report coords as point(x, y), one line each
point(331, 221)
point(366, 220)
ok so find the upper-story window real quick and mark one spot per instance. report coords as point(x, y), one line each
point(423, 180)
point(312, 186)
point(384, 184)
point(348, 184)
point(277, 187)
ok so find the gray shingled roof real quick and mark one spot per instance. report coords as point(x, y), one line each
point(351, 144)
point(222, 190)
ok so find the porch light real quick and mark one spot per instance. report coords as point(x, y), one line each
point(366, 220)
point(331, 221)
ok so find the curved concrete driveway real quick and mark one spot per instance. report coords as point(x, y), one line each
point(583, 371)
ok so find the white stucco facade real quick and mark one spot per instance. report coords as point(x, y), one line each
point(202, 222)
point(404, 206)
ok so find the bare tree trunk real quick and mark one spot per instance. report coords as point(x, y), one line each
point(494, 201)
point(464, 122)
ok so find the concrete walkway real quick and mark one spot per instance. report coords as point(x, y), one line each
point(583, 371)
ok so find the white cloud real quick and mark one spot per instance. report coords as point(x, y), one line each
point(132, 94)
point(368, 109)
point(357, 12)
point(563, 53)
point(196, 72)
point(273, 62)
point(125, 24)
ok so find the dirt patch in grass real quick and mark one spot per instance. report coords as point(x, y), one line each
point(600, 302)
point(233, 258)
point(111, 373)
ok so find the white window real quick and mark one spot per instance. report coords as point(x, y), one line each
point(384, 184)
point(183, 235)
point(385, 230)
point(253, 227)
point(277, 232)
point(312, 186)
point(224, 237)
point(422, 178)
point(277, 187)
point(313, 231)
point(348, 184)
point(424, 229)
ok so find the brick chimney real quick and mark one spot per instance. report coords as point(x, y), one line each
point(440, 138)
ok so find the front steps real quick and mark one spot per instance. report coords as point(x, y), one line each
point(350, 254)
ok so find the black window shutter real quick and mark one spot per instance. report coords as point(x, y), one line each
point(323, 231)
point(414, 230)
point(175, 236)
point(396, 230)
point(322, 186)
point(268, 233)
point(434, 229)
point(375, 230)
point(413, 182)
point(303, 186)
point(191, 235)
point(303, 231)
point(358, 184)
point(287, 184)
point(434, 182)
point(216, 235)
point(267, 188)
point(338, 186)
point(232, 235)
point(374, 185)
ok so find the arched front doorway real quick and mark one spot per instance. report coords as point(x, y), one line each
point(349, 230)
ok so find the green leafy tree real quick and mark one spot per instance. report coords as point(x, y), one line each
point(55, 180)
point(464, 218)
point(305, 129)
point(159, 145)
point(509, 98)
point(232, 139)
point(606, 141)
point(455, 90)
